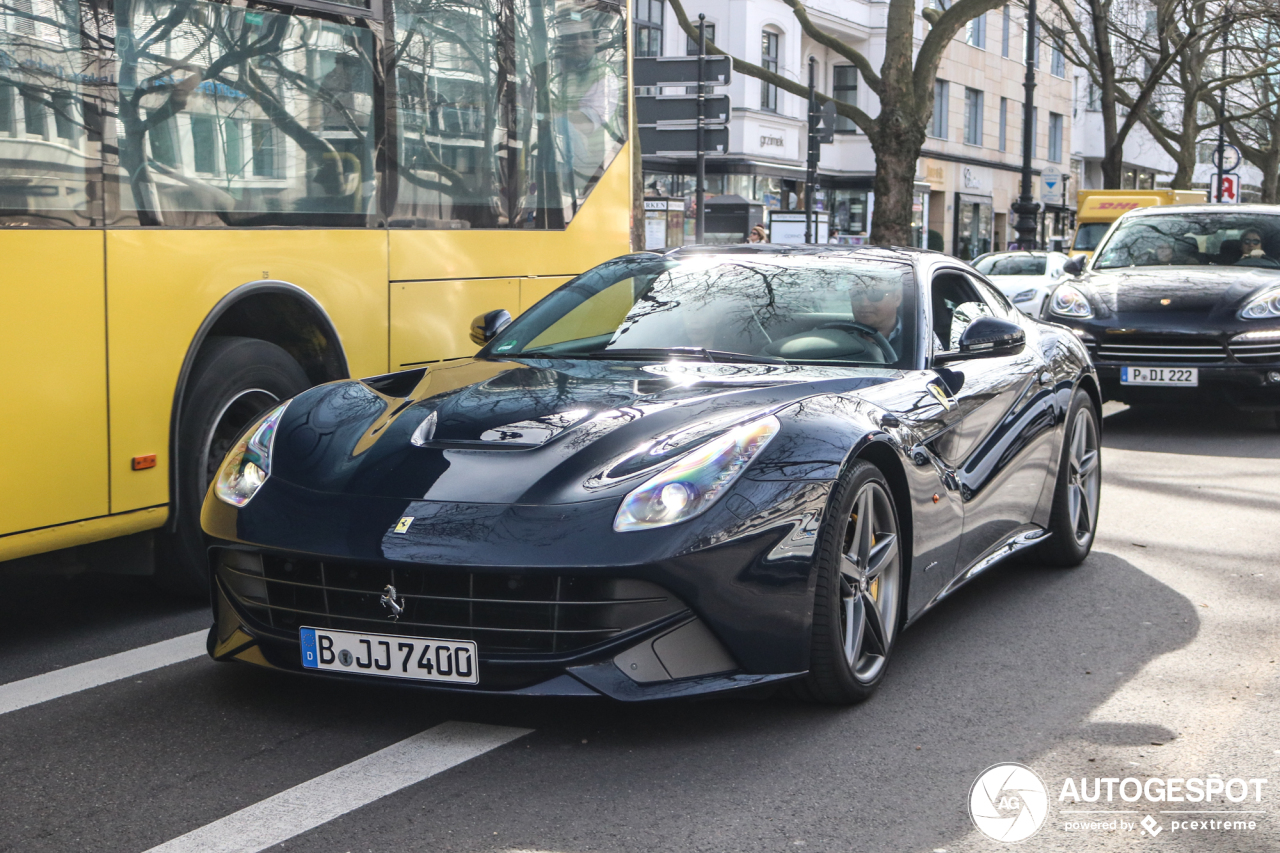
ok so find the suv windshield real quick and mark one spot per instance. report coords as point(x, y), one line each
point(1193, 239)
point(1012, 264)
point(777, 309)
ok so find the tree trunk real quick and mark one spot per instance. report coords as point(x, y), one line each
point(897, 149)
point(1270, 166)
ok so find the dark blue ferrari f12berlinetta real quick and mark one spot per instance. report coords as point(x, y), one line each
point(678, 474)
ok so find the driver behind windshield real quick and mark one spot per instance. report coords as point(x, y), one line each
point(876, 304)
point(1253, 253)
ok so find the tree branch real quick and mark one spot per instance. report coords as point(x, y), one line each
point(812, 30)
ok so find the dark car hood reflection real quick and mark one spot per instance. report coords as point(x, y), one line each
point(1199, 290)
point(529, 431)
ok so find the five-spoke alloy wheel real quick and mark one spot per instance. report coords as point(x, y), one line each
point(858, 596)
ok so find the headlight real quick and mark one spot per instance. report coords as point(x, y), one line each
point(1264, 306)
point(693, 484)
point(1067, 301)
point(248, 464)
point(1025, 296)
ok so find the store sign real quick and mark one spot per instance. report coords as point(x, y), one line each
point(780, 143)
point(975, 178)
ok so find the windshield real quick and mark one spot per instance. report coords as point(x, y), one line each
point(1193, 239)
point(1088, 235)
point(778, 309)
point(1012, 265)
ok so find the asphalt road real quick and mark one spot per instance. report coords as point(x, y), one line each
point(1157, 658)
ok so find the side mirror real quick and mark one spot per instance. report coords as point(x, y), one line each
point(486, 326)
point(1074, 266)
point(987, 337)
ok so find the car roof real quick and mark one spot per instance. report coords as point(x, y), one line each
point(898, 253)
point(1166, 209)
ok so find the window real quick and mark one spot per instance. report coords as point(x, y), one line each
point(975, 32)
point(233, 147)
point(264, 149)
point(66, 116)
point(164, 145)
point(769, 62)
point(204, 144)
point(8, 120)
point(33, 114)
point(1055, 138)
point(1057, 61)
point(972, 116)
point(648, 28)
point(1006, 22)
point(939, 127)
point(1094, 103)
point(845, 88)
point(1004, 124)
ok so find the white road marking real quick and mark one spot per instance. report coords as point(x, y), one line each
point(94, 673)
point(320, 800)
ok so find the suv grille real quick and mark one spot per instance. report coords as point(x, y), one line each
point(1256, 352)
point(503, 613)
point(1178, 349)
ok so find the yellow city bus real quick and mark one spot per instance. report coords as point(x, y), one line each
point(206, 206)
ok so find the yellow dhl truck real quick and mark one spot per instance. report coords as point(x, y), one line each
point(1099, 208)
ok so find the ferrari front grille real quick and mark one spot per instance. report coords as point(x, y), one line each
point(503, 612)
point(1170, 349)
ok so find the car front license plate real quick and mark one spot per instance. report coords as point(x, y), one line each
point(390, 655)
point(1187, 377)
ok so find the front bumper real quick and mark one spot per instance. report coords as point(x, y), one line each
point(1237, 385)
point(746, 583)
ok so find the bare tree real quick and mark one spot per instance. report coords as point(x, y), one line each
point(904, 85)
point(1188, 104)
point(1127, 50)
point(1258, 136)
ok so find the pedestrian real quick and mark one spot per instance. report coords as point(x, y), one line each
point(757, 235)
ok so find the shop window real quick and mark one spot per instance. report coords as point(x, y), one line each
point(973, 220)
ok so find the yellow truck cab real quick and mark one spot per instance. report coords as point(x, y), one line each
point(1097, 209)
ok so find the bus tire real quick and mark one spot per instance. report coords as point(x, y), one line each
point(232, 383)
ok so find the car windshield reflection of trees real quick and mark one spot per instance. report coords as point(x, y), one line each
point(1191, 240)
point(719, 311)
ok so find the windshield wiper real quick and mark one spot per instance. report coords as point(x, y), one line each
point(712, 355)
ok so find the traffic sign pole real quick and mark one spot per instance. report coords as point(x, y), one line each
point(811, 167)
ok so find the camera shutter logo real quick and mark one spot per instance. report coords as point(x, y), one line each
point(1008, 802)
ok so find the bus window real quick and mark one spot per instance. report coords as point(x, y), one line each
point(507, 111)
point(238, 116)
point(47, 152)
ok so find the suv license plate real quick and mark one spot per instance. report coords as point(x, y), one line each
point(1187, 377)
point(390, 655)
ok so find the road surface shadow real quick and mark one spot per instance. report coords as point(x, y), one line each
point(1195, 430)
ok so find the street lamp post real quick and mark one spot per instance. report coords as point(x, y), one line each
point(1026, 206)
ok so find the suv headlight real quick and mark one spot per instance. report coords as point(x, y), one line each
point(1068, 301)
point(694, 483)
point(248, 464)
point(1264, 306)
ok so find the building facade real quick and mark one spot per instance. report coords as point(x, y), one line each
point(969, 171)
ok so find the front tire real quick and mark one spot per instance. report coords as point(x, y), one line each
point(1073, 521)
point(233, 382)
point(857, 603)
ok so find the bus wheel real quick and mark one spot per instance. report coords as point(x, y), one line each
point(233, 381)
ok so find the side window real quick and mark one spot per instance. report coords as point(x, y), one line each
point(998, 302)
point(229, 115)
point(956, 303)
